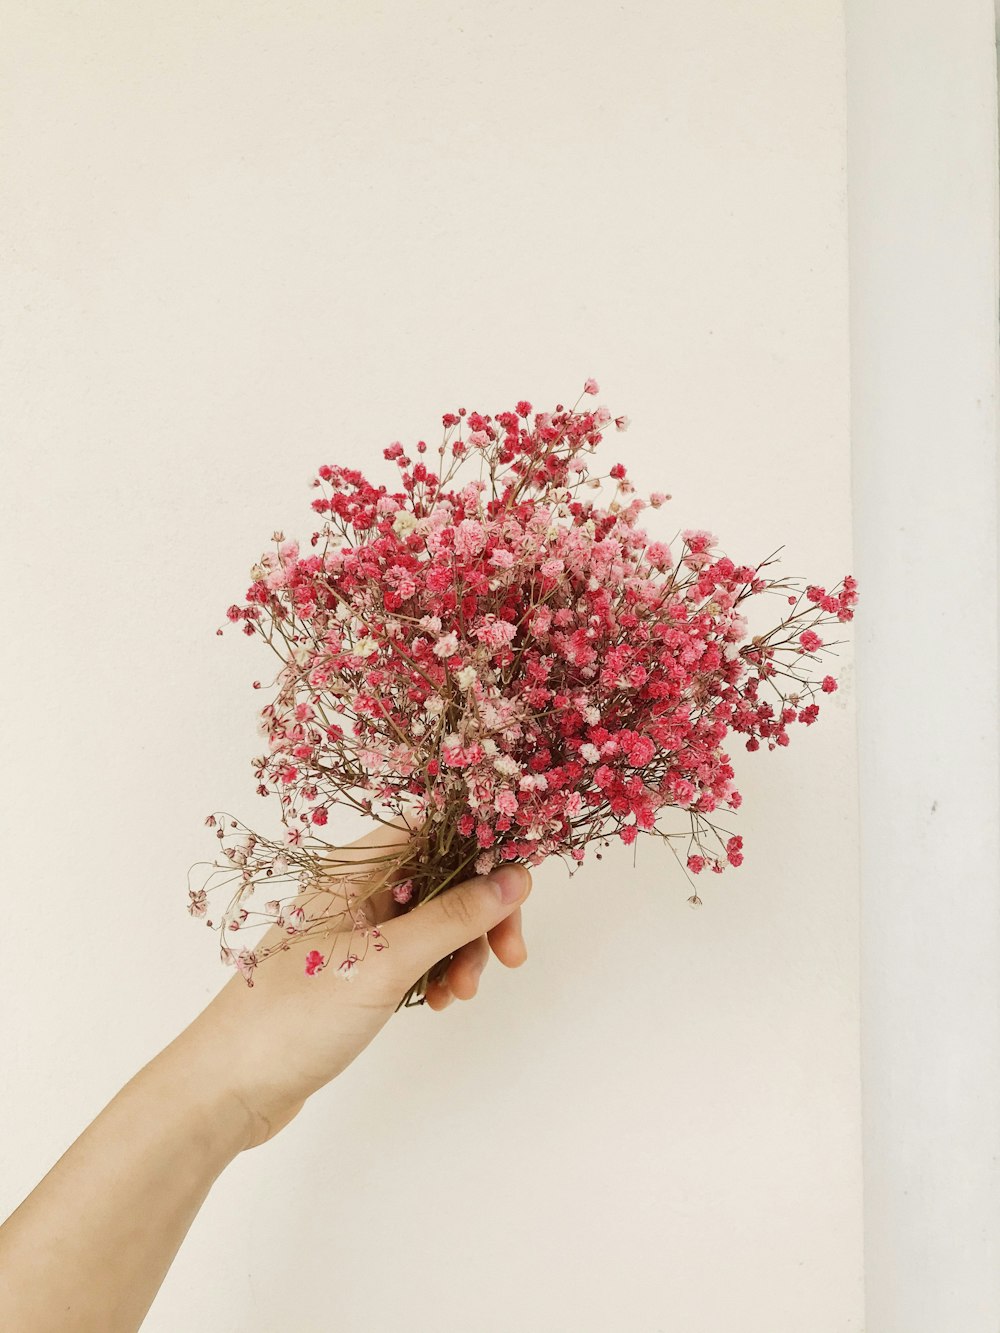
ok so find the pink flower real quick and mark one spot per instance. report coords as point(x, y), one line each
point(641, 751)
point(698, 540)
point(447, 645)
point(495, 633)
point(515, 661)
point(485, 836)
point(402, 890)
point(506, 802)
point(470, 538)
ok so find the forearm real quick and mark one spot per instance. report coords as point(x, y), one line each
point(90, 1246)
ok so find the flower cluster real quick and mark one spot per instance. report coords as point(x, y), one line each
point(516, 664)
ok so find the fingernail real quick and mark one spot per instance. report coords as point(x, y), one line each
point(511, 882)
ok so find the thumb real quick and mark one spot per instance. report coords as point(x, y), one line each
point(433, 929)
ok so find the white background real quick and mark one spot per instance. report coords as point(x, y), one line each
point(245, 241)
point(922, 173)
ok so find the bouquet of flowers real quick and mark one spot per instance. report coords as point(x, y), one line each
point(512, 666)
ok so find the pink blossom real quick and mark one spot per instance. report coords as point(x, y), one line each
point(495, 633)
point(470, 538)
point(511, 656)
point(659, 556)
point(447, 645)
point(314, 961)
point(506, 802)
point(348, 967)
point(402, 890)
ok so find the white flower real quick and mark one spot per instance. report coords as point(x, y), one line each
point(509, 767)
point(592, 715)
point(404, 523)
point(365, 647)
point(489, 745)
point(466, 677)
point(446, 645)
point(233, 916)
point(434, 705)
point(590, 752)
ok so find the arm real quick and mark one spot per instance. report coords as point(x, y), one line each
point(90, 1246)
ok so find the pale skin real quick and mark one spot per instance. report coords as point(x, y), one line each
point(90, 1246)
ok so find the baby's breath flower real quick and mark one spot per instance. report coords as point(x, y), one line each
point(535, 675)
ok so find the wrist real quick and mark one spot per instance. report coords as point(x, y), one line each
point(192, 1074)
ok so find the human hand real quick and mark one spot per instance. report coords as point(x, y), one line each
point(279, 1041)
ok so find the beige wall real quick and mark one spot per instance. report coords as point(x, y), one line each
point(923, 273)
point(242, 240)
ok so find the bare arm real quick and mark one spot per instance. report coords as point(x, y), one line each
point(90, 1246)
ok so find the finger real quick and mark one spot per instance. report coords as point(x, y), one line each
point(437, 995)
point(466, 967)
point(439, 926)
point(506, 939)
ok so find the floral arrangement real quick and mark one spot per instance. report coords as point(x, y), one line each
point(514, 668)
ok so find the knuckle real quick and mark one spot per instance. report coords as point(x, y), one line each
point(457, 906)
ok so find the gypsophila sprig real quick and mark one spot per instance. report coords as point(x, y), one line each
point(509, 662)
